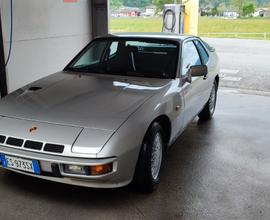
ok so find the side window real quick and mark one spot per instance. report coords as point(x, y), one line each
point(203, 53)
point(113, 48)
point(190, 57)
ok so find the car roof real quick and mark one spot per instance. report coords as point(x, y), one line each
point(166, 36)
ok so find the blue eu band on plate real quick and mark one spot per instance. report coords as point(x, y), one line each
point(16, 163)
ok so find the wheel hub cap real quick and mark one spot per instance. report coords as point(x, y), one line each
point(212, 100)
point(156, 157)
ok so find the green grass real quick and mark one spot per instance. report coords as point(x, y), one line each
point(136, 24)
point(239, 26)
point(206, 25)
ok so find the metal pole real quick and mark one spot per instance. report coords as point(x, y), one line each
point(3, 79)
point(100, 17)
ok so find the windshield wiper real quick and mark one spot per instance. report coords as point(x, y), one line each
point(86, 69)
point(74, 69)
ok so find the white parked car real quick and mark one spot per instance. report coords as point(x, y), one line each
point(106, 119)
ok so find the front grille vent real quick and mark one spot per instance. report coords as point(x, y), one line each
point(54, 148)
point(14, 142)
point(2, 139)
point(33, 145)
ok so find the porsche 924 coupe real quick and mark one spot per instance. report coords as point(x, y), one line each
point(107, 118)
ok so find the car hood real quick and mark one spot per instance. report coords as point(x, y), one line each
point(81, 100)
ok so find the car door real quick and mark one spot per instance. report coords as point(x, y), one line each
point(194, 92)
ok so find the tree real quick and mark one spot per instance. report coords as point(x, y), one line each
point(136, 3)
point(239, 4)
point(214, 11)
point(249, 9)
point(115, 4)
point(222, 8)
point(160, 3)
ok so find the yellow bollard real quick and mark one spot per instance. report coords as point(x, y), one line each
point(191, 17)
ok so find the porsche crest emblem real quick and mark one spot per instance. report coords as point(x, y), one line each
point(33, 129)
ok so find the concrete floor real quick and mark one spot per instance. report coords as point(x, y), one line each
point(244, 63)
point(216, 170)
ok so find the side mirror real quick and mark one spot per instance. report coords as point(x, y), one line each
point(197, 71)
point(200, 70)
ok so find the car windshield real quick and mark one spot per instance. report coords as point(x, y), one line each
point(128, 57)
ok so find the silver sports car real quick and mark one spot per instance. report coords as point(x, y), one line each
point(107, 118)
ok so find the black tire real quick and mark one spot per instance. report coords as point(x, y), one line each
point(144, 179)
point(209, 109)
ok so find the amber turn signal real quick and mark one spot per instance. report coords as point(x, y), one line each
point(101, 169)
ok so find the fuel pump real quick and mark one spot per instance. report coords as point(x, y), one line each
point(173, 18)
point(181, 18)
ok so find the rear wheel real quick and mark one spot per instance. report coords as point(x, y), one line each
point(147, 173)
point(209, 109)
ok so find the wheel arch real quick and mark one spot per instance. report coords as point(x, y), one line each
point(165, 122)
point(217, 80)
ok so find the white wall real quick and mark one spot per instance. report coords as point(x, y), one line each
point(47, 35)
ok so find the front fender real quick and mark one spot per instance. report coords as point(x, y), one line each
point(126, 142)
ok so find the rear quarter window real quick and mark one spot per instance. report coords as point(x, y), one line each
point(203, 53)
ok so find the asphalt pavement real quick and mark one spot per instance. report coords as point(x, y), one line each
point(245, 64)
point(218, 169)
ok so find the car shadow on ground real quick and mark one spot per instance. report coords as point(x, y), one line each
point(51, 190)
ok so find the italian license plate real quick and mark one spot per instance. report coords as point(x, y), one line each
point(17, 163)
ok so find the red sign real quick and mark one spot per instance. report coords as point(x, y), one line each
point(70, 1)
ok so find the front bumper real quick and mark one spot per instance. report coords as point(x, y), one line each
point(111, 180)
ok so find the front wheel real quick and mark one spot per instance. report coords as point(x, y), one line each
point(209, 109)
point(150, 159)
